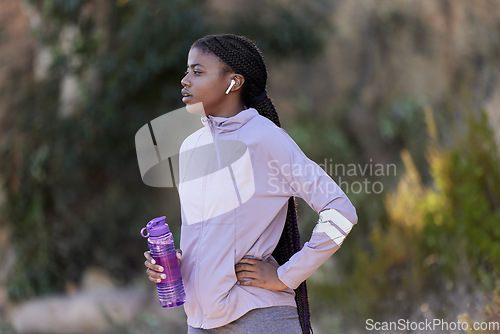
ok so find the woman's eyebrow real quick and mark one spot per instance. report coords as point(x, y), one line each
point(193, 65)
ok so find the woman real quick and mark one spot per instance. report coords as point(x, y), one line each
point(242, 265)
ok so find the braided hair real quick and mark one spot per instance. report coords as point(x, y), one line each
point(242, 56)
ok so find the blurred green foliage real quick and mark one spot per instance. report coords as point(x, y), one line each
point(283, 28)
point(439, 237)
point(74, 197)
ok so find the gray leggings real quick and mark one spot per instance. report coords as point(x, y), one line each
point(268, 320)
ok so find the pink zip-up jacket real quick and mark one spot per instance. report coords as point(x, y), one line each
point(236, 176)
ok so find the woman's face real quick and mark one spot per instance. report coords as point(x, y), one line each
point(205, 81)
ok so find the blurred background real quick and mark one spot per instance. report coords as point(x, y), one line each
point(398, 100)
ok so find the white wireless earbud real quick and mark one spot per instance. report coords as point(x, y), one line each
point(230, 86)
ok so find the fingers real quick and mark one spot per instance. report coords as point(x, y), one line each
point(178, 254)
point(244, 267)
point(246, 274)
point(249, 282)
point(154, 271)
point(154, 267)
point(253, 272)
point(155, 276)
point(150, 265)
point(248, 260)
point(247, 271)
point(148, 257)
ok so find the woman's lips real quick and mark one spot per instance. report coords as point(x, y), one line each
point(186, 96)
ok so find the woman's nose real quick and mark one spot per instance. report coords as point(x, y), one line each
point(184, 81)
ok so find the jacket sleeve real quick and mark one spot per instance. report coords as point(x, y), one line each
point(337, 215)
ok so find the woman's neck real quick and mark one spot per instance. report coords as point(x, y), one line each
point(227, 111)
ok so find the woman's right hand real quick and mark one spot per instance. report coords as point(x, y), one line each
point(155, 271)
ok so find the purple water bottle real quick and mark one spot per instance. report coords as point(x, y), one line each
point(161, 244)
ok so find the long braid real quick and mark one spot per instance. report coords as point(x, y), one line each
point(243, 57)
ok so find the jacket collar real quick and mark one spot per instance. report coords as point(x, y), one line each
point(228, 124)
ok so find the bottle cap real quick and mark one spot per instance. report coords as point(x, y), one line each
point(155, 227)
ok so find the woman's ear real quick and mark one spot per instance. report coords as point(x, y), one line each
point(239, 81)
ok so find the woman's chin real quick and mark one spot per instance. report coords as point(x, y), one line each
point(195, 108)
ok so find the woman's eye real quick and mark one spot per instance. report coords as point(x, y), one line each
point(194, 71)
